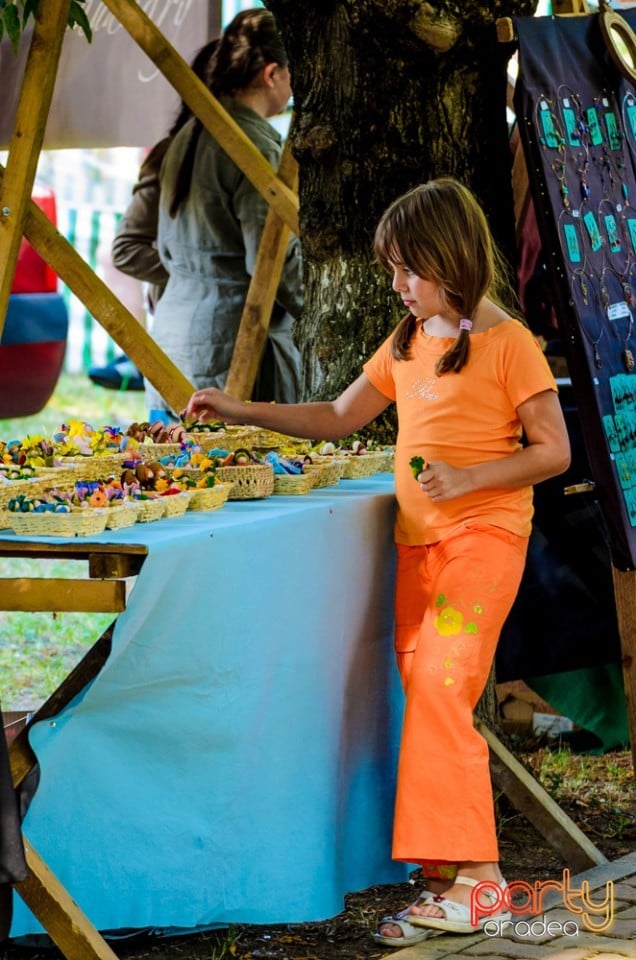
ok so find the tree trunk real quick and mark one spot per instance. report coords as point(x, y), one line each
point(387, 94)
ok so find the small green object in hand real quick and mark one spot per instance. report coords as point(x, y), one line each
point(417, 464)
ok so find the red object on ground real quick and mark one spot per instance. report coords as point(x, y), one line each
point(32, 273)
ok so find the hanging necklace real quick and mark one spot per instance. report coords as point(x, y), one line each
point(595, 337)
point(617, 311)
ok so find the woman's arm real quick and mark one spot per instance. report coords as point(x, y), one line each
point(134, 248)
point(326, 420)
point(546, 454)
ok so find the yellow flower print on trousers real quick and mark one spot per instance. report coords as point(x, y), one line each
point(450, 621)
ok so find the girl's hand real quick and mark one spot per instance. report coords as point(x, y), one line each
point(213, 404)
point(441, 482)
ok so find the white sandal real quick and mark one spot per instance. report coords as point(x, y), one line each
point(410, 934)
point(457, 915)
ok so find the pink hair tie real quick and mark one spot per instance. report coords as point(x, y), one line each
point(465, 324)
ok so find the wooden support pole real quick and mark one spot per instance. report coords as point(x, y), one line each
point(21, 756)
point(625, 596)
point(257, 312)
point(213, 116)
point(27, 137)
point(529, 797)
point(58, 913)
point(125, 330)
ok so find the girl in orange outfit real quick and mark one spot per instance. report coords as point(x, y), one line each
point(468, 380)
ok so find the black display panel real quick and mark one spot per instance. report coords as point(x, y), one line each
point(577, 123)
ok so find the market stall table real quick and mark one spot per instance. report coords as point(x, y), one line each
point(234, 759)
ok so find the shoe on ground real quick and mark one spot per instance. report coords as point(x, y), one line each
point(120, 374)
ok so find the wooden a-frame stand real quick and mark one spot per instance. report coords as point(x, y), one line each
point(50, 902)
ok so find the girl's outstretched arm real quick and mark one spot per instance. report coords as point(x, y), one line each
point(546, 454)
point(326, 420)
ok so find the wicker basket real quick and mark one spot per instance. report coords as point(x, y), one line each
point(286, 484)
point(59, 476)
point(387, 461)
point(30, 487)
point(325, 472)
point(152, 509)
point(94, 468)
point(207, 439)
point(269, 439)
point(155, 451)
point(121, 515)
point(5, 519)
point(252, 482)
point(79, 523)
point(177, 503)
point(356, 466)
point(209, 498)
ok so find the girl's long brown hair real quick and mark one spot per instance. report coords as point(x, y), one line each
point(439, 232)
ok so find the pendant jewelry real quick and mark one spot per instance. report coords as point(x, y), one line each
point(628, 360)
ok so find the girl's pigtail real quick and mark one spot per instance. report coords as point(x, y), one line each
point(402, 337)
point(456, 356)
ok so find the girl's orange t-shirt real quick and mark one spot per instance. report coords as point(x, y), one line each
point(461, 419)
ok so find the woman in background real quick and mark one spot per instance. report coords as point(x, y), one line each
point(211, 219)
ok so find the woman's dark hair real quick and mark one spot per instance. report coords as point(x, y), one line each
point(200, 66)
point(248, 44)
point(439, 232)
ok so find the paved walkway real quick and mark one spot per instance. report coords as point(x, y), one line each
point(559, 934)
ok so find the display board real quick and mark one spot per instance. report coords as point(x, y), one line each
point(107, 92)
point(577, 123)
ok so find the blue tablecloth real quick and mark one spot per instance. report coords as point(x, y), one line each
point(234, 761)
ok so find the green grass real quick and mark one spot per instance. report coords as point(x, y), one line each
point(77, 397)
point(37, 650)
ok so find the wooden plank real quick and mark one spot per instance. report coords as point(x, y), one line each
point(130, 335)
point(78, 549)
point(21, 755)
point(213, 116)
point(28, 133)
point(536, 804)
point(625, 596)
point(62, 595)
point(65, 923)
point(257, 312)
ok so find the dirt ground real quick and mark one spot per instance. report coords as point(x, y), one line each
point(598, 793)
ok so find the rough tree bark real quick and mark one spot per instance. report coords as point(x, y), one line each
point(387, 94)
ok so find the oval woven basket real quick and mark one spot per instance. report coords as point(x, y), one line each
point(153, 509)
point(207, 439)
point(94, 468)
point(79, 523)
point(325, 473)
point(292, 484)
point(253, 482)
point(32, 487)
point(363, 465)
point(5, 519)
point(177, 503)
point(59, 476)
point(155, 451)
point(209, 498)
point(122, 515)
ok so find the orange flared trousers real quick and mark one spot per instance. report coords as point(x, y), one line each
point(451, 600)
